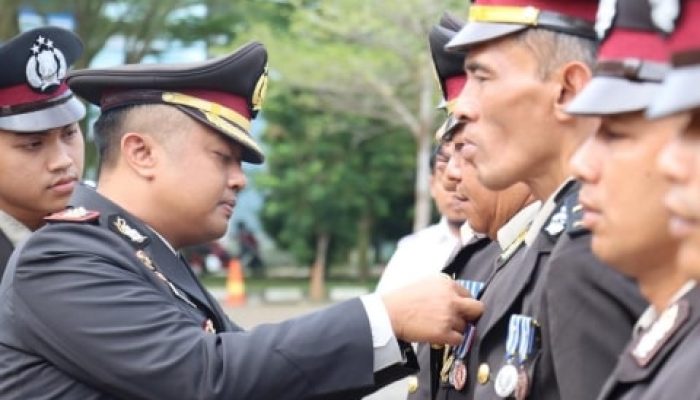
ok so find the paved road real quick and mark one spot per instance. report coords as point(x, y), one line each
point(256, 312)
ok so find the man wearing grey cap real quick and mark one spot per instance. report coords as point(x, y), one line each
point(101, 304)
point(40, 140)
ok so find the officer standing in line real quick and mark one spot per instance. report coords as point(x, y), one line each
point(622, 198)
point(680, 160)
point(40, 140)
point(540, 335)
point(99, 304)
point(494, 218)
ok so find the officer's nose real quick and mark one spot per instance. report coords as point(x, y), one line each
point(61, 157)
point(584, 165)
point(236, 177)
point(453, 173)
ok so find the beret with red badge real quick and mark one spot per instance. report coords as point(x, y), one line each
point(224, 93)
point(33, 93)
point(449, 68)
point(493, 19)
point(679, 91)
point(632, 59)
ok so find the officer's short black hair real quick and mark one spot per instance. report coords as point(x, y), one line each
point(108, 130)
point(112, 124)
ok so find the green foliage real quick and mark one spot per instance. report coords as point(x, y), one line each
point(326, 170)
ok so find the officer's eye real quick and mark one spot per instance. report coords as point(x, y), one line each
point(607, 134)
point(224, 157)
point(70, 133)
point(30, 144)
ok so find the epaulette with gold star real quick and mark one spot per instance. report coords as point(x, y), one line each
point(73, 214)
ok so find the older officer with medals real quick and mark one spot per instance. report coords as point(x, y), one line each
point(525, 62)
point(495, 220)
point(622, 199)
point(100, 304)
point(40, 140)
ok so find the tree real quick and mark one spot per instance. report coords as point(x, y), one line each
point(367, 58)
point(329, 187)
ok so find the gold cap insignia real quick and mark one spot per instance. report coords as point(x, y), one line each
point(260, 91)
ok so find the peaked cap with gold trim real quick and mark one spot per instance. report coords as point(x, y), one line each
point(493, 19)
point(224, 93)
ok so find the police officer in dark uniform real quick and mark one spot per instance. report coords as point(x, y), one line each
point(99, 304)
point(663, 356)
point(496, 219)
point(40, 139)
point(540, 336)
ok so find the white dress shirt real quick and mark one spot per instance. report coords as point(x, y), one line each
point(419, 255)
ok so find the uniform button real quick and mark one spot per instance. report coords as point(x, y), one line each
point(412, 384)
point(483, 374)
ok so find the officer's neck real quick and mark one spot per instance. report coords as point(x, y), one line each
point(659, 285)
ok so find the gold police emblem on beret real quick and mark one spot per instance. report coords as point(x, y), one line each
point(260, 91)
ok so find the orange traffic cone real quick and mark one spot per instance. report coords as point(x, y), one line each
point(235, 288)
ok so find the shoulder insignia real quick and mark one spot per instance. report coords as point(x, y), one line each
point(557, 222)
point(119, 225)
point(653, 340)
point(73, 214)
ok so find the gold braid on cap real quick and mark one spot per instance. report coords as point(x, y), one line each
point(504, 14)
point(231, 122)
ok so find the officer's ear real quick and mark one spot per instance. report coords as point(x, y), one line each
point(572, 77)
point(139, 153)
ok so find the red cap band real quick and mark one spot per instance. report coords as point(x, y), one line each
point(627, 43)
point(23, 94)
point(236, 103)
point(583, 9)
point(454, 86)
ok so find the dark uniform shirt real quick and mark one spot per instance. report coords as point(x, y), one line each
point(662, 362)
point(559, 283)
point(99, 307)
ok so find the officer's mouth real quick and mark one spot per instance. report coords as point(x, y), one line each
point(681, 222)
point(64, 185)
point(228, 207)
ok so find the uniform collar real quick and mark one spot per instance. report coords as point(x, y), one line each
point(468, 235)
point(517, 224)
point(13, 229)
point(544, 213)
point(651, 314)
point(167, 244)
